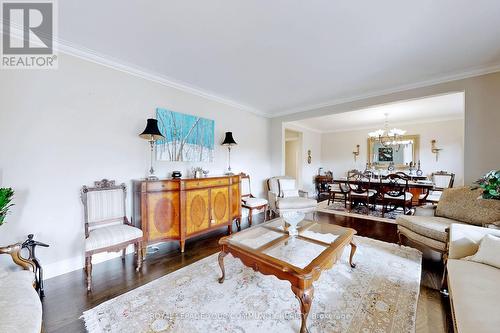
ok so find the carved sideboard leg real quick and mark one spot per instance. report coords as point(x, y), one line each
point(238, 223)
point(222, 254)
point(183, 243)
point(353, 251)
point(305, 298)
point(138, 249)
point(229, 229)
point(88, 270)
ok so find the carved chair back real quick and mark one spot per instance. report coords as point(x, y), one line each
point(394, 185)
point(104, 204)
point(402, 174)
point(443, 179)
point(358, 182)
point(246, 191)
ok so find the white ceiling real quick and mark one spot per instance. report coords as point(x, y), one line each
point(430, 109)
point(282, 56)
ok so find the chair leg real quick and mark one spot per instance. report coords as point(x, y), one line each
point(88, 271)
point(266, 211)
point(138, 253)
point(400, 240)
point(124, 253)
point(250, 217)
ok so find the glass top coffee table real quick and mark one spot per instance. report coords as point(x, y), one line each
point(300, 259)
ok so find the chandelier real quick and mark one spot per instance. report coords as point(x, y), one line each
point(389, 136)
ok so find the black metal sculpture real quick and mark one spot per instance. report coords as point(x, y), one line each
point(30, 244)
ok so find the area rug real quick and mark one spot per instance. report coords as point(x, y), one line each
point(338, 208)
point(379, 295)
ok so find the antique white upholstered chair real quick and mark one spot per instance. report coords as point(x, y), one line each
point(249, 201)
point(284, 196)
point(107, 228)
point(442, 180)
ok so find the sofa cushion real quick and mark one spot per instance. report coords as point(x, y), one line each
point(20, 306)
point(429, 226)
point(297, 202)
point(461, 204)
point(489, 248)
point(474, 291)
point(432, 243)
point(465, 239)
point(111, 235)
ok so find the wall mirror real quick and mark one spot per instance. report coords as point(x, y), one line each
point(401, 152)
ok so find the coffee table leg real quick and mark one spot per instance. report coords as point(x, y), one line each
point(222, 254)
point(305, 298)
point(353, 250)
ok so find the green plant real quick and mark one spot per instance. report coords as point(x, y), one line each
point(490, 183)
point(6, 195)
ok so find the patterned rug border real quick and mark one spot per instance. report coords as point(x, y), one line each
point(91, 321)
point(322, 207)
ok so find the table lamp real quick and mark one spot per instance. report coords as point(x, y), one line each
point(152, 133)
point(229, 142)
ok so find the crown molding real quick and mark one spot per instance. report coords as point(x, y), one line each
point(442, 79)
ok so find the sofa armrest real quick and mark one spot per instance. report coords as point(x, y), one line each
point(464, 239)
point(303, 194)
point(272, 198)
point(14, 251)
point(425, 211)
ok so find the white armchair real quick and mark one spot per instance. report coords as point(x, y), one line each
point(284, 196)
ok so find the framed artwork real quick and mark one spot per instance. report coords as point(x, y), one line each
point(187, 138)
point(386, 154)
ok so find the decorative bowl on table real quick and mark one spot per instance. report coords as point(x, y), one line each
point(292, 219)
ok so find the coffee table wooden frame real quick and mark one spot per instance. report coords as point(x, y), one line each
point(301, 280)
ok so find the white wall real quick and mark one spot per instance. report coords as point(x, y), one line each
point(310, 141)
point(337, 148)
point(61, 129)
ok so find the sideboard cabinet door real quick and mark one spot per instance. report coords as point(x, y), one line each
point(163, 209)
point(197, 211)
point(219, 202)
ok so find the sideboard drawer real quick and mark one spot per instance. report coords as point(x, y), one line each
point(162, 186)
point(201, 183)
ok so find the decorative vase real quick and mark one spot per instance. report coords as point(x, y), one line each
point(292, 219)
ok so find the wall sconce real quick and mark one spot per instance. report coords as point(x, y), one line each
point(434, 149)
point(356, 153)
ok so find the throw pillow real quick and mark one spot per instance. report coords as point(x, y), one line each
point(489, 248)
point(287, 188)
point(289, 193)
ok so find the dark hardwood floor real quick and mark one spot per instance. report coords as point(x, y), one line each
point(66, 296)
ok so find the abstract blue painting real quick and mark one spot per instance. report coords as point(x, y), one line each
point(187, 138)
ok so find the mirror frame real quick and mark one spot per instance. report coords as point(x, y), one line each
point(416, 152)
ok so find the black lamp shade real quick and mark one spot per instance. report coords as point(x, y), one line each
point(151, 132)
point(228, 140)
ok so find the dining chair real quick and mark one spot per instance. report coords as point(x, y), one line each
point(442, 180)
point(107, 228)
point(394, 190)
point(338, 189)
point(249, 201)
point(360, 191)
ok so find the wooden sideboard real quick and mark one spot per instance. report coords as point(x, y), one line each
point(178, 209)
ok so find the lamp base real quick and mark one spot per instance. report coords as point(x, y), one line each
point(229, 173)
point(152, 178)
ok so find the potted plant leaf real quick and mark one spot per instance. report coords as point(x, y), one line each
point(490, 184)
point(6, 195)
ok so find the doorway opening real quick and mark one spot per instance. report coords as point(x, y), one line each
point(293, 155)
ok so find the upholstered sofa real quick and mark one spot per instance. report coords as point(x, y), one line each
point(428, 226)
point(473, 287)
point(20, 306)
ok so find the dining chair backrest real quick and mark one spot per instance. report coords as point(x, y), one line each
point(443, 179)
point(394, 185)
point(104, 204)
point(403, 174)
point(358, 182)
point(245, 185)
